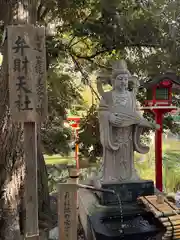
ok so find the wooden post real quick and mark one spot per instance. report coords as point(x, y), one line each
point(74, 175)
point(158, 150)
point(67, 212)
point(28, 105)
point(31, 183)
point(74, 178)
point(160, 199)
point(30, 133)
point(77, 147)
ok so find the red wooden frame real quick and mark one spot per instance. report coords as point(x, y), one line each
point(159, 113)
point(154, 102)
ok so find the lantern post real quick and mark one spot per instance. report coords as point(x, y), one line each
point(159, 101)
point(74, 123)
point(158, 149)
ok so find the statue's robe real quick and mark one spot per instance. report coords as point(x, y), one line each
point(120, 142)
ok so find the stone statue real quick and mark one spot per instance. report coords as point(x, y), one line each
point(120, 127)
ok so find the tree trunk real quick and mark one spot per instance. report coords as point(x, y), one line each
point(12, 168)
point(45, 215)
point(12, 173)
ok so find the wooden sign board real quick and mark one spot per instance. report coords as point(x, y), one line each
point(27, 73)
point(67, 211)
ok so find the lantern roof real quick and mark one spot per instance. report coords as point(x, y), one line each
point(157, 79)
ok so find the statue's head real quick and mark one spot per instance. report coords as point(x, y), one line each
point(120, 75)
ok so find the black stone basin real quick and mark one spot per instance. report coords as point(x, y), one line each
point(109, 219)
point(140, 225)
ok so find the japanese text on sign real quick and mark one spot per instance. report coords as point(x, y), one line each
point(67, 214)
point(27, 73)
point(67, 211)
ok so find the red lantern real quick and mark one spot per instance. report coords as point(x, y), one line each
point(159, 101)
point(74, 125)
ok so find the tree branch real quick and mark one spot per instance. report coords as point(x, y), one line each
point(83, 74)
point(71, 44)
point(45, 12)
point(115, 47)
point(39, 10)
point(93, 55)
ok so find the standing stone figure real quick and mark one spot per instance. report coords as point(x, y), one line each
point(120, 127)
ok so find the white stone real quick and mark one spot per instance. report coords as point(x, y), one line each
point(54, 234)
point(120, 127)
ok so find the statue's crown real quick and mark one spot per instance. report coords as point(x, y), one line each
point(120, 67)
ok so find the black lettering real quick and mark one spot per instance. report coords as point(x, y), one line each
point(25, 65)
point(40, 91)
point(39, 66)
point(66, 197)
point(38, 40)
point(27, 102)
point(21, 85)
point(20, 45)
point(67, 209)
point(19, 103)
point(18, 65)
point(67, 223)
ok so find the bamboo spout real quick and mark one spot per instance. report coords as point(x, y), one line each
point(96, 189)
point(160, 199)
